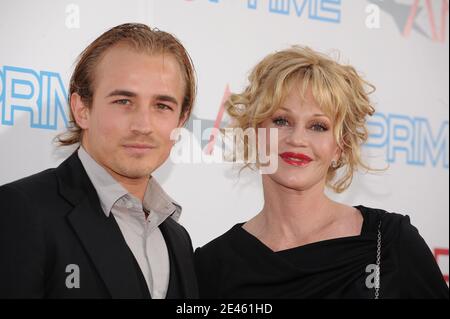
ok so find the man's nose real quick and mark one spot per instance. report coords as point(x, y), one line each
point(141, 121)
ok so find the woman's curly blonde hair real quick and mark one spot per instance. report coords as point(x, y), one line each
point(338, 89)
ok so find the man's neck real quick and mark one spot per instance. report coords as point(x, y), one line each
point(134, 186)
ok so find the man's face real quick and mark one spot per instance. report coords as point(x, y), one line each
point(136, 105)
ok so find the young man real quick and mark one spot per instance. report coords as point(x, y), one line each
point(99, 225)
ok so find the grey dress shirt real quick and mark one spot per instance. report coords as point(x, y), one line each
point(142, 235)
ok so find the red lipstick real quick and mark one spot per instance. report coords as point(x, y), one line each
point(296, 159)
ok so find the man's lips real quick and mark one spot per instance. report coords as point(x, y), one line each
point(139, 145)
point(296, 159)
point(138, 148)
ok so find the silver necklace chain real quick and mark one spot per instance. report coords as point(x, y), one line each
point(377, 271)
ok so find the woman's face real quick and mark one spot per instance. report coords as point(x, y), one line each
point(306, 144)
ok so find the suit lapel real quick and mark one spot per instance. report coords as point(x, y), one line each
point(99, 234)
point(182, 259)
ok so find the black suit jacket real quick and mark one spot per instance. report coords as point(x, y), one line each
point(53, 219)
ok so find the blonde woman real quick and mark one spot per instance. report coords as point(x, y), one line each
point(302, 244)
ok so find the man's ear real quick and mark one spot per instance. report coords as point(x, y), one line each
point(183, 119)
point(79, 110)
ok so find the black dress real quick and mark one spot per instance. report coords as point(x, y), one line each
point(238, 265)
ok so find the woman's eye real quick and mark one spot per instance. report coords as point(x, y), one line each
point(280, 122)
point(320, 127)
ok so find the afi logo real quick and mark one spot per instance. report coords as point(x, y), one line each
point(406, 16)
point(438, 34)
point(441, 256)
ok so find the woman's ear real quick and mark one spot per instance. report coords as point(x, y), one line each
point(79, 110)
point(338, 155)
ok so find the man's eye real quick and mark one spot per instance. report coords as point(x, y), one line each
point(122, 102)
point(163, 106)
point(280, 121)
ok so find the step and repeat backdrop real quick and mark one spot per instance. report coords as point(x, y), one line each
point(401, 46)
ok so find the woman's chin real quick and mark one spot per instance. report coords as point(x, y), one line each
point(290, 181)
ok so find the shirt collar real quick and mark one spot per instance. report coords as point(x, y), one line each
point(110, 191)
point(157, 200)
